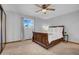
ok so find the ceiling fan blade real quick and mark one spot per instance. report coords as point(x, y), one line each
point(50, 9)
point(38, 10)
point(44, 6)
point(48, 5)
point(38, 5)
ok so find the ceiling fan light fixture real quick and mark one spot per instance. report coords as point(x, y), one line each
point(44, 10)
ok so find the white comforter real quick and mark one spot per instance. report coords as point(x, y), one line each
point(54, 34)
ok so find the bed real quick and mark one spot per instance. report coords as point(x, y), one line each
point(54, 35)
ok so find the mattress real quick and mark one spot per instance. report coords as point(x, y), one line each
point(54, 34)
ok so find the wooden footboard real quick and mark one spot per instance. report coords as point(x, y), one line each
point(42, 39)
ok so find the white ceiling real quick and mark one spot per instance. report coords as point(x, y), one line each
point(29, 9)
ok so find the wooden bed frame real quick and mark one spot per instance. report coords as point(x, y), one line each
point(42, 39)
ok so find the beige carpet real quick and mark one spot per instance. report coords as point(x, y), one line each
point(30, 48)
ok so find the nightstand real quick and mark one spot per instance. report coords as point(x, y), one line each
point(66, 37)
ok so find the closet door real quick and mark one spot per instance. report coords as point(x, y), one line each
point(0, 31)
point(3, 30)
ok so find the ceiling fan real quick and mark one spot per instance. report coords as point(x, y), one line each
point(44, 8)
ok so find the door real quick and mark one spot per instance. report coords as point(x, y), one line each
point(0, 29)
point(3, 30)
point(28, 28)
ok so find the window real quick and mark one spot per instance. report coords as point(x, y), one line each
point(28, 23)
